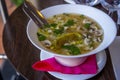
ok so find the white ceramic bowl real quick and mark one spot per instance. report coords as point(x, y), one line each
point(99, 16)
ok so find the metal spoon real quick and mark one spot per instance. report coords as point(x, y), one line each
point(34, 14)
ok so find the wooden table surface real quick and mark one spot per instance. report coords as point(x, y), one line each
point(22, 54)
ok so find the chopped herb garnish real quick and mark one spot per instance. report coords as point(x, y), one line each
point(87, 25)
point(53, 25)
point(82, 16)
point(72, 49)
point(69, 23)
point(50, 25)
point(47, 25)
point(54, 16)
point(59, 31)
point(66, 14)
point(41, 37)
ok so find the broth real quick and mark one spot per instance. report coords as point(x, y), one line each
point(70, 34)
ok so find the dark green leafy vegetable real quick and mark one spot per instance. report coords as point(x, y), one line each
point(72, 49)
point(87, 25)
point(47, 25)
point(59, 31)
point(66, 14)
point(82, 16)
point(41, 37)
point(69, 23)
point(54, 16)
point(53, 25)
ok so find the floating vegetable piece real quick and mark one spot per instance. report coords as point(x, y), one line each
point(58, 31)
point(66, 14)
point(69, 23)
point(47, 43)
point(87, 25)
point(41, 37)
point(53, 25)
point(60, 41)
point(82, 16)
point(50, 25)
point(72, 49)
point(47, 25)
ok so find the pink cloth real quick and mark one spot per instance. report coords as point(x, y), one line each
point(88, 67)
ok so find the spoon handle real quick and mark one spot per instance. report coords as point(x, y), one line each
point(34, 14)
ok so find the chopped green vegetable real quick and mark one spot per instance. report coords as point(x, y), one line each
point(82, 16)
point(87, 25)
point(66, 14)
point(50, 25)
point(53, 25)
point(54, 16)
point(72, 49)
point(41, 37)
point(47, 25)
point(69, 23)
point(59, 31)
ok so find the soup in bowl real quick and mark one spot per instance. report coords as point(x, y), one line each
point(74, 32)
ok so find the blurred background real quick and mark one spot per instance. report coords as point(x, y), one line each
point(6, 70)
point(11, 7)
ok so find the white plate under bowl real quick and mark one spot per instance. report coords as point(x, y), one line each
point(101, 61)
point(73, 2)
